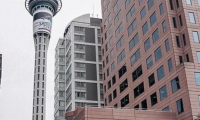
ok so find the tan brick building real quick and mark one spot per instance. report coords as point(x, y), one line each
point(151, 55)
point(89, 113)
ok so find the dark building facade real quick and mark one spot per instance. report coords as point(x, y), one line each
point(151, 55)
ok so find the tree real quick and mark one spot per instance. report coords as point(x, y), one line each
point(198, 117)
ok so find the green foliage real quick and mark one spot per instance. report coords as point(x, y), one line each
point(198, 117)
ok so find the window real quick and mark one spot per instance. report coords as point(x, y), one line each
point(198, 57)
point(137, 106)
point(147, 44)
point(135, 57)
point(197, 77)
point(120, 42)
point(166, 109)
point(109, 84)
point(121, 56)
point(199, 99)
point(118, 16)
point(180, 20)
point(144, 104)
point(119, 29)
point(139, 90)
point(180, 59)
point(187, 58)
point(113, 66)
point(114, 94)
point(175, 84)
point(133, 42)
point(106, 46)
point(158, 53)
point(151, 79)
point(174, 22)
point(191, 16)
point(177, 41)
point(167, 45)
point(195, 36)
point(170, 66)
point(140, 1)
point(149, 62)
point(117, 5)
point(161, 9)
point(160, 73)
point(113, 80)
point(180, 107)
point(137, 73)
point(145, 28)
point(155, 35)
point(143, 12)
point(125, 101)
point(164, 26)
point(153, 18)
point(188, 2)
point(171, 4)
point(153, 99)
point(108, 71)
point(184, 39)
point(150, 4)
point(132, 27)
point(122, 71)
point(130, 13)
point(163, 92)
point(112, 52)
point(123, 85)
point(127, 3)
point(177, 3)
point(110, 98)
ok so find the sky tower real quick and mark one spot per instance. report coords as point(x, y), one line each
point(42, 12)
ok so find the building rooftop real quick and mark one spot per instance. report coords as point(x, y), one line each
point(91, 113)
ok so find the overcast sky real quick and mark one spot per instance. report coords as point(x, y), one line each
point(17, 47)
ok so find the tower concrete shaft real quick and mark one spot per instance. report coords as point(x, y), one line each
point(42, 12)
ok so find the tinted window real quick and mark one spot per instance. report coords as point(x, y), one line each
point(137, 73)
point(130, 13)
point(175, 84)
point(145, 28)
point(133, 42)
point(153, 18)
point(139, 90)
point(170, 66)
point(150, 3)
point(195, 36)
point(123, 85)
point(163, 92)
point(132, 27)
point(153, 99)
point(160, 73)
point(197, 78)
point(167, 45)
point(135, 57)
point(125, 101)
point(180, 107)
point(158, 54)
point(149, 62)
point(143, 12)
point(161, 8)
point(155, 35)
point(147, 44)
point(151, 79)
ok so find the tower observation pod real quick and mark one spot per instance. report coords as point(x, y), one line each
point(42, 12)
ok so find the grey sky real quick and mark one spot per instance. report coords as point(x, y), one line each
point(16, 45)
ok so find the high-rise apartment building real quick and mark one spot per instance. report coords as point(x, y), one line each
point(0, 68)
point(78, 66)
point(151, 55)
point(42, 12)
